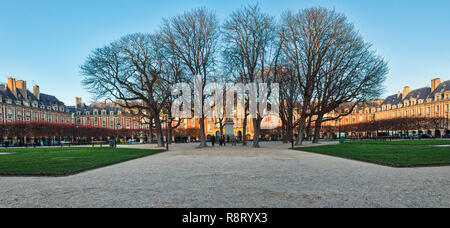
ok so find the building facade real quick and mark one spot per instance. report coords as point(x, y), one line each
point(427, 104)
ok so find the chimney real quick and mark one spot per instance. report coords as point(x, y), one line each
point(399, 94)
point(435, 84)
point(78, 102)
point(405, 92)
point(37, 92)
point(12, 86)
point(22, 88)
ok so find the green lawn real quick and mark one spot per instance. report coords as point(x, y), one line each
point(406, 142)
point(63, 161)
point(398, 154)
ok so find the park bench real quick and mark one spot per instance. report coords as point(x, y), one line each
point(101, 143)
point(65, 143)
point(30, 145)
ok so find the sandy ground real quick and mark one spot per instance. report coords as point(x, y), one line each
point(272, 176)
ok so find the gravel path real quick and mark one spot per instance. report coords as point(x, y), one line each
point(235, 177)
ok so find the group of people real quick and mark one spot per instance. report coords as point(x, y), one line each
point(222, 140)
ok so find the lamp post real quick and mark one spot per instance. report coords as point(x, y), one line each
point(73, 127)
point(169, 121)
point(292, 138)
point(117, 132)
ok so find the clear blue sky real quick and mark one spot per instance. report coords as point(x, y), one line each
point(44, 42)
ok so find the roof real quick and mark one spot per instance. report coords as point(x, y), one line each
point(442, 88)
point(392, 100)
point(45, 99)
point(418, 94)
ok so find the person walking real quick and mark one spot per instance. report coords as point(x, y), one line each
point(213, 141)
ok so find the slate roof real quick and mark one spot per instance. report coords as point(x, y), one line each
point(45, 99)
point(442, 88)
point(109, 107)
point(392, 100)
point(418, 94)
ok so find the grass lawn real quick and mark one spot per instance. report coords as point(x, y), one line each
point(63, 161)
point(395, 153)
point(408, 142)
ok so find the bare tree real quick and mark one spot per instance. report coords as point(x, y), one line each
point(289, 97)
point(249, 36)
point(193, 38)
point(131, 71)
point(333, 64)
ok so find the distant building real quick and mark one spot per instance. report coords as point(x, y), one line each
point(21, 105)
point(427, 103)
point(106, 115)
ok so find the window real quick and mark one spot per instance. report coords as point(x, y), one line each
point(28, 115)
point(438, 108)
point(128, 123)
point(95, 122)
point(56, 118)
point(10, 114)
point(104, 122)
point(19, 114)
point(118, 121)
point(35, 116)
point(49, 117)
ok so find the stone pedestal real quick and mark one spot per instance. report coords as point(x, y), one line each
point(229, 128)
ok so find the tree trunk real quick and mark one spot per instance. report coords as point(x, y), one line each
point(257, 130)
point(202, 133)
point(308, 129)
point(284, 134)
point(151, 132)
point(290, 128)
point(317, 128)
point(244, 131)
point(301, 130)
point(169, 128)
point(159, 132)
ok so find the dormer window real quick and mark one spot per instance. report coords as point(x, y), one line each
point(87, 113)
point(103, 112)
point(111, 113)
point(95, 112)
